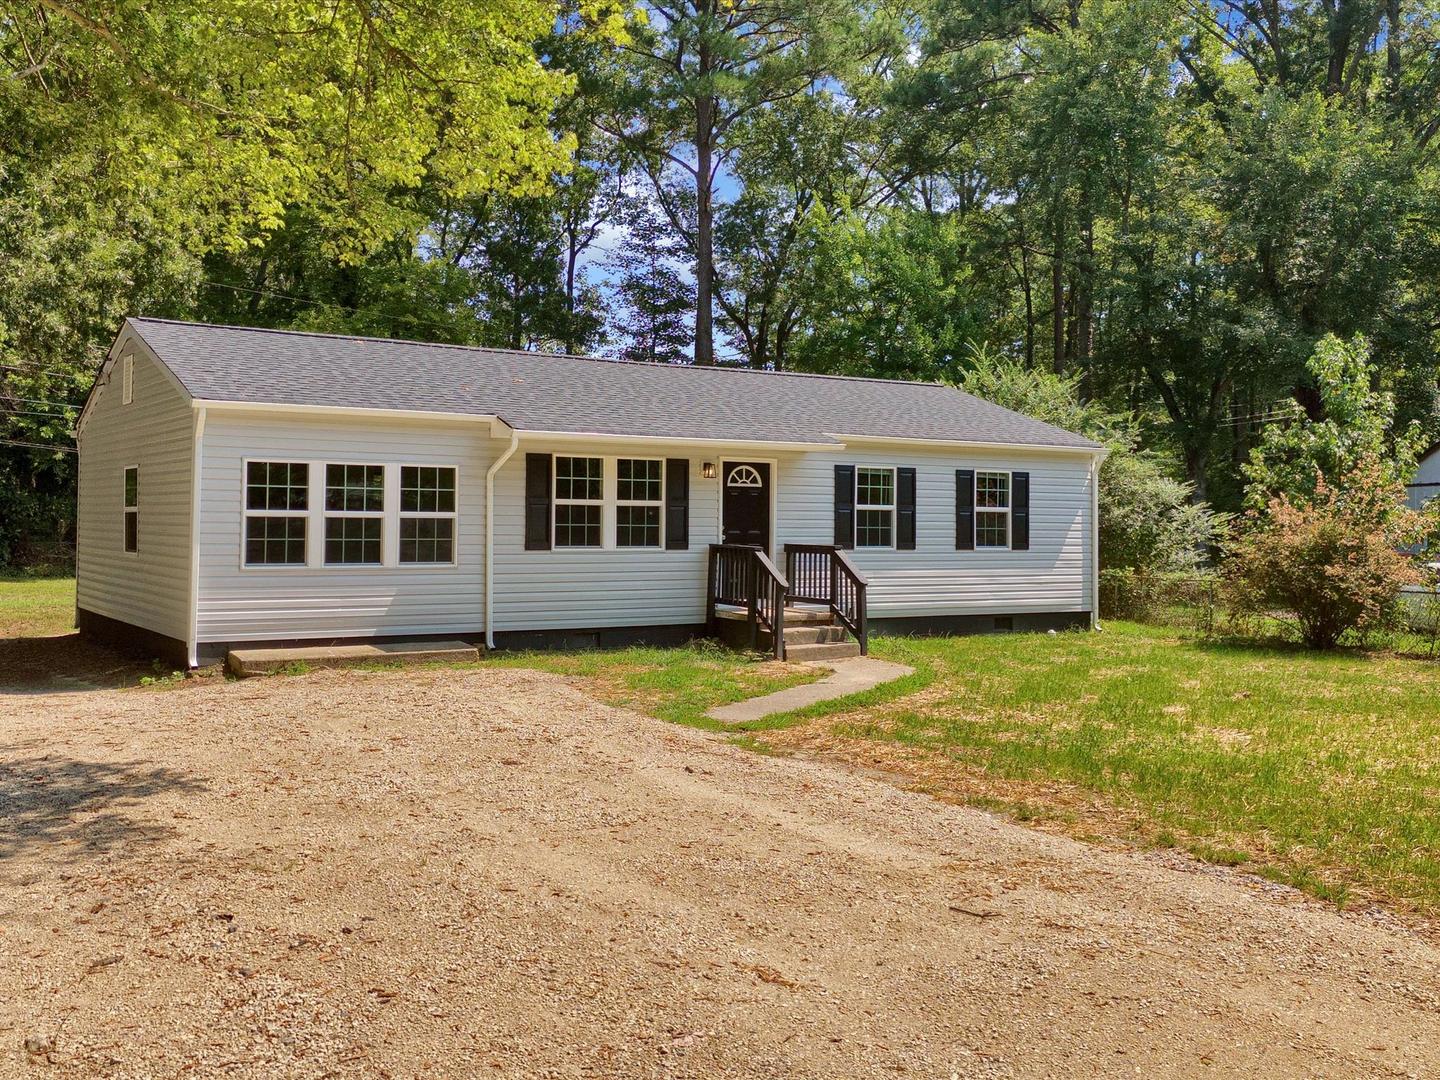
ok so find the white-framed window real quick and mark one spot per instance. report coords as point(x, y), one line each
point(132, 508)
point(427, 514)
point(992, 509)
point(874, 506)
point(127, 378)
point(354, 514)
point(277, 512)
point(639, 502)
point(579, 501)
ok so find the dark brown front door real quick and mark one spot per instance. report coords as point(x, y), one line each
point(745, 514)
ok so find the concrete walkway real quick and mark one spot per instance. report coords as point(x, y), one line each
point(849, 677)
point(243, 662)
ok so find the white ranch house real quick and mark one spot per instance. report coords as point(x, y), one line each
point(258, 486)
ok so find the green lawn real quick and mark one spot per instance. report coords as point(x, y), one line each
point(676, 684)
point(36, 607)
point(1318, 770)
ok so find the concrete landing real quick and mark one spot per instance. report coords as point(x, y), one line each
point(243, 662)
point(849, 677)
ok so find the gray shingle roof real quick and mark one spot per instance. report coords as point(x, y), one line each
point(547, 392)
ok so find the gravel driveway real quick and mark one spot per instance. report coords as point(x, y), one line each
point(442, 874)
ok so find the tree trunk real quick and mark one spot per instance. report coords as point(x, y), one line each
point(1057, 306)
point(572, 256)
point(1085, 299)
point(704, 244)
point(1392, 49)
point(1197, 460)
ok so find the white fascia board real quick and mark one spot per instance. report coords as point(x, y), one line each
point(969, 444)
point(591, 437)
point(270, 408)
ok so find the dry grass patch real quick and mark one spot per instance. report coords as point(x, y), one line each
point(1317, 770)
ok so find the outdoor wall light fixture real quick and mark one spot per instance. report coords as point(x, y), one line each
point(707, 470)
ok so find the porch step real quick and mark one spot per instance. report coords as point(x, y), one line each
point(243, 662)
point(828, 650)
point(794, 616)
point(812, 635)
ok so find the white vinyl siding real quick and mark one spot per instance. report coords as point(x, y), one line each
point(257, 603)
point(936, 579)
point(578, 588)
point(581, 588)
point(149, 587)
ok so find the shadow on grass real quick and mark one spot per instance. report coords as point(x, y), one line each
point(73, 807)
point(63, 663)
point(1275, 647)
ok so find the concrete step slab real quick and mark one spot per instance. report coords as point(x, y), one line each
point(829, 650)
point(811, 635)
point(244, 662)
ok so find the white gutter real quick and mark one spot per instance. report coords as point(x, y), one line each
point(346, 410)
point(490, 475)
point(963, 444)
point(192, 642)
point(716, 444)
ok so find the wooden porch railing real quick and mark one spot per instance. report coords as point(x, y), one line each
point(743, 576)
point(824, 574)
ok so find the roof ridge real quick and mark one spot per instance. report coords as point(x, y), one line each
point(737, 369)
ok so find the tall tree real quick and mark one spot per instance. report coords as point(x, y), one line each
point(691, 73)
point(656, 298)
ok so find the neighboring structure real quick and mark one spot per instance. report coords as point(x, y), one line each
point(1425, 484)
point(241, 485)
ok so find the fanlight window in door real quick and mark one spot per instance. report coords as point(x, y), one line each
point(745, 476)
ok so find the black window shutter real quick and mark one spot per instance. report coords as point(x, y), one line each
point(845, 506)
point(905, 509)
point(677, 504)
point(965, 509)
point(537, 502)
point(1020, 511)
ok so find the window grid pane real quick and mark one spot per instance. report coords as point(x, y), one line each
point(275, 541)
point(277, 485)
point(132, 530)
point(352, 541)
point(577, 525)
point(992, 490)
point(638, 480)
point(427, 489)
point(132, 487)
point(992, 528)
point(578, 478)
point(872, 528)
point(874, 487)
point(637, 526)
point(427, 540)
point(355, 487)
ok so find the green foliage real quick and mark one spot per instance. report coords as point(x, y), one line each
point(1357, 429)
point(1148, 520)
point(653, 323)
point(886, 296)
point(1329, 560)
point(1186, 598)
point(232, 111)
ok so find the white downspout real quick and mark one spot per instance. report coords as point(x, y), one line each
point(196, 462)
point(1095, 464)
point(490, 475)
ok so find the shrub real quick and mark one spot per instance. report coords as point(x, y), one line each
point(1145, 596)
point(1329, 563)
point(1148, 520)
